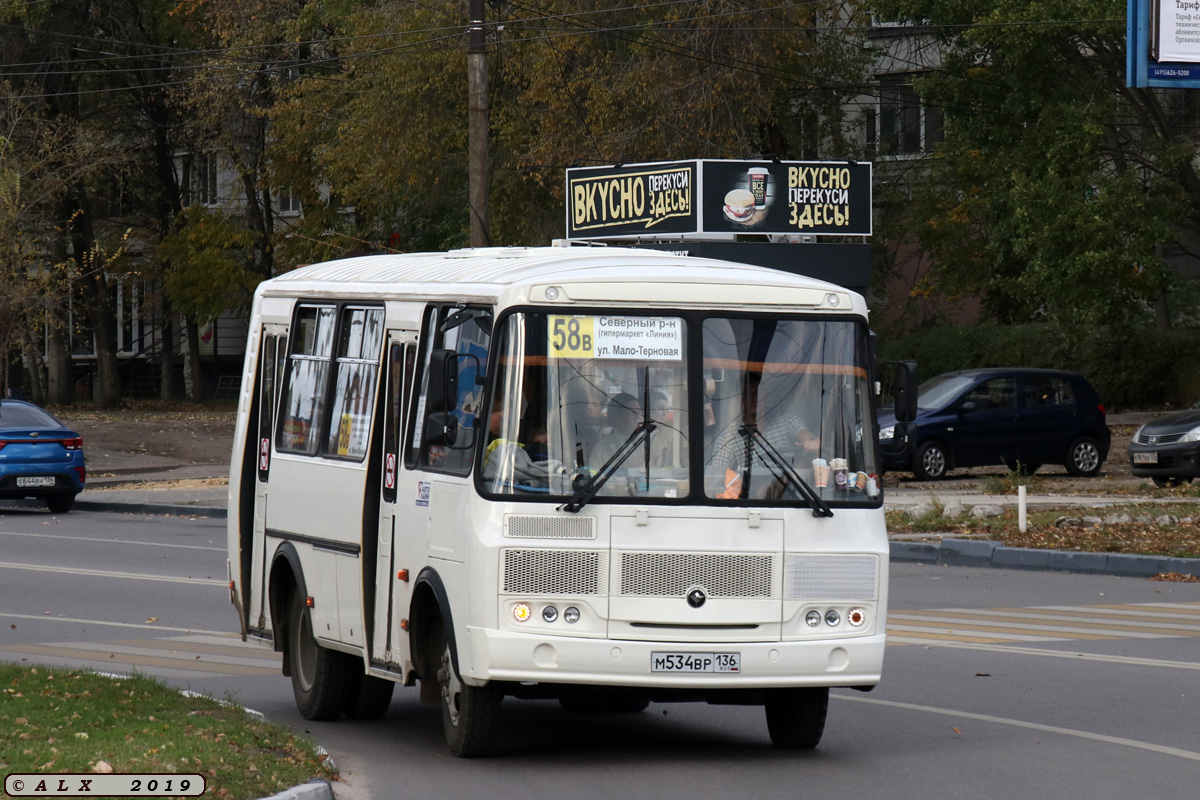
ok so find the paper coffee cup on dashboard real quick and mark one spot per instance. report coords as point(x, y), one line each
point(821, 472)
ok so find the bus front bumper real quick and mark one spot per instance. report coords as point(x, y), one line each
point(494, 655)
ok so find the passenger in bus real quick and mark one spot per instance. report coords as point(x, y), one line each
point(512, 462)
point(782, 428)
point(623, 415)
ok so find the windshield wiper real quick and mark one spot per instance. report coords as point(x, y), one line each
point(754, 436)
point(592, 485)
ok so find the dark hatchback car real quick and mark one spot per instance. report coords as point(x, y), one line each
point(1168, 449)
point(1021, 418)
point(40, 457)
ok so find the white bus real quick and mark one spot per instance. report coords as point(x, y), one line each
point(604, 476)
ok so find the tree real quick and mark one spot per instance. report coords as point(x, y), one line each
point(1056, 187)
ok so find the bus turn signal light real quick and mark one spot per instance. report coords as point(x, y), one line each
point(402, 575)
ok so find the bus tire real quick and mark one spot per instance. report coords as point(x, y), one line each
point(372, 698)
point(796, 717)
point(468, 712)
point(320, 677)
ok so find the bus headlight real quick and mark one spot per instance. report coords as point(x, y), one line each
point(812, 618)
point(571, 615)
point(549, 613)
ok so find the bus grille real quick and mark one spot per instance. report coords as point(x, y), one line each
point(553, 572)
point(549, 527)
point(673, 574)
point(831, 577)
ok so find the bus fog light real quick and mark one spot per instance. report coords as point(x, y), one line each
point(812, 619)
point(856, 617)
point(571, 615)
point(832, 617)
point(521, 612)
point(549, 613)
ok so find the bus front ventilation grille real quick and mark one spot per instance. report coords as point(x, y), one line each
point(673, 574)
point(813, 577)
point(553, 572)
point(549, 527)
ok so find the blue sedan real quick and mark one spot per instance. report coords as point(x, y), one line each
point(39, 456)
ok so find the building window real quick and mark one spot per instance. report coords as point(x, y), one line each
point(202, 186)
point(288, 202)
point(900, 125)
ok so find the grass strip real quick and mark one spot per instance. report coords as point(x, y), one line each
point(60, 720)
point(1137, 528)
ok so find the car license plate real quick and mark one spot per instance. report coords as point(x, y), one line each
point(695, 662)
point(40, 480)
point(1145, 458)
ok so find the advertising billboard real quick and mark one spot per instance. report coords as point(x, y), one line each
point(1163, 43)
point(704, 197)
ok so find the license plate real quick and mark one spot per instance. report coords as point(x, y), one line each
point(695, 662)
point(1145, 458)
point(35, 481)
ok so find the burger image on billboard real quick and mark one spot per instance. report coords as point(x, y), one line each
point(739, 205)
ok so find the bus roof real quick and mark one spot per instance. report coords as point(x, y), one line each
point(491, 273)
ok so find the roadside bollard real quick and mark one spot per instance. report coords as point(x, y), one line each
point(1022, 515)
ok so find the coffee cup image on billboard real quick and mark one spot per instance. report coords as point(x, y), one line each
point(739, 205)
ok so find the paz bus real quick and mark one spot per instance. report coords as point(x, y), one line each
point(602, 476)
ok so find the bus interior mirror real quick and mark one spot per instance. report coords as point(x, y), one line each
point(905, 391)
point(443, 380)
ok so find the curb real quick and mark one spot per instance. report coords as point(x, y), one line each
point(215, 512)
point(975, 553)
point(316, 789)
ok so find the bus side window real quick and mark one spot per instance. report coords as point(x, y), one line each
point(469, 336)
point(303, 407)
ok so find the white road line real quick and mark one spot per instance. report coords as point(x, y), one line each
point(952, 631)
point(1142, 620)
point(968, 624)
point(148, 627)
point(113, 541)
point(1032, 651)
point(1097, 737)
point(132, 576)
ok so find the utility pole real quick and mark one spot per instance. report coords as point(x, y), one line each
point(478, 125)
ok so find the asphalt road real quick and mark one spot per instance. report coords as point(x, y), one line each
point(997, 684)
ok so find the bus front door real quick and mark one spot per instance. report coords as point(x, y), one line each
point(271, 355)
point(392, 582)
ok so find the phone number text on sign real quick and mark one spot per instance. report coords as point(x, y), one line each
point(600, 336)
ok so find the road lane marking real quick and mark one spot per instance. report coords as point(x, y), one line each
point(1136, 621)
point(995, 647)
point(1080, 629)
point(1008, 632)
point(1097, 737)
point(114, 541)
point(96, 573)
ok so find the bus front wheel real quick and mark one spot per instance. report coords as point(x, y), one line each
point(468, 712)
point(796, 717)
point(319, 676)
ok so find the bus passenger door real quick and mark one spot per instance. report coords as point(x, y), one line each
point(392, 586)
point(271, 354)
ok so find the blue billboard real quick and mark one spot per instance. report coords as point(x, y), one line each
point(1163, 44)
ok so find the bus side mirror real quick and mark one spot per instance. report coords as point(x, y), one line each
point(443, 381)
point(904, 393)
point(441, 429)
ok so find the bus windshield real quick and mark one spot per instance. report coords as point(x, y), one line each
point(621, 401)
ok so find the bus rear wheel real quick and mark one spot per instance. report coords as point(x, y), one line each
point(320, 677)
point(468, 712)
point(796, 717)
